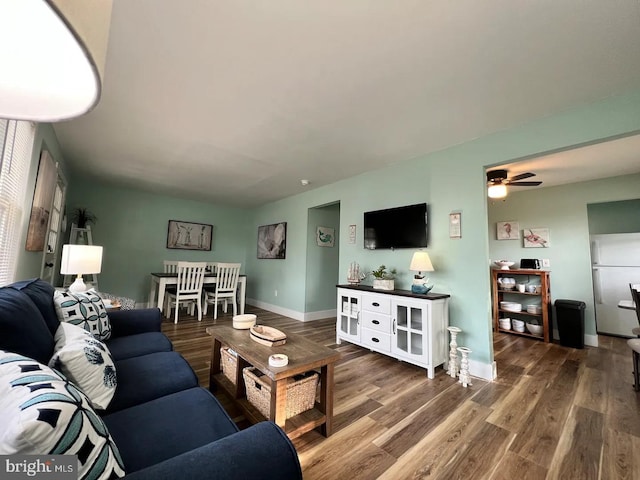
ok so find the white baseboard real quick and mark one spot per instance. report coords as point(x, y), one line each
point(485, 371)
point(301, 316)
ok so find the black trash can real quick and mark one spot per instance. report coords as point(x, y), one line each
point(570, 319)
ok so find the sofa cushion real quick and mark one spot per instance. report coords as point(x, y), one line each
point(85, 361)
point(152, 376)
point(168, 426)
point(41, 293)
point(43, 413)
point(84, 309)
point(138, 345)
point(22, 328)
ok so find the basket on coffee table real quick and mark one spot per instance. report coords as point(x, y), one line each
point(301, 391)
point(229, 361)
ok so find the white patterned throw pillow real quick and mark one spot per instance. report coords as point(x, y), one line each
point(84, 309)
point(41, 412)
point(85, 361)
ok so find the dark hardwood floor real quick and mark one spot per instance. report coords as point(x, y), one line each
point(552, 413)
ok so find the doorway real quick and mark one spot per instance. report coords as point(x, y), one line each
point(322, 261)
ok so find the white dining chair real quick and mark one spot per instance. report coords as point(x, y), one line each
point(211, 267)
point(225, 289)
point(188, 289)
point(170, 266)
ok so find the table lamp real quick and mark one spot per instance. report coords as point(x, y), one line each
point(420, 263)
point(79, 260)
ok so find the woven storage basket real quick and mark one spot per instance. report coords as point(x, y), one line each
point(301, 391)
point(229, 362)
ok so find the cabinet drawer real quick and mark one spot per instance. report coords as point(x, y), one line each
point(376, 303)
point(378, 340)
point(376, 321)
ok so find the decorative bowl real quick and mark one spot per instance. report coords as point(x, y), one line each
point(534, 329)
point(535, 309)
point(244, 322)
point(504, 264)
point(517, 323)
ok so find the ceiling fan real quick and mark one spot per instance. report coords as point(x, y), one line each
point(497, 182)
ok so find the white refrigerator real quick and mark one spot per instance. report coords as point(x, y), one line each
point(615, 262)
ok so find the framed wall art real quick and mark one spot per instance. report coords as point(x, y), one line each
point(352, 234)
point(272, 241)
point(189, 236)
point(509, 230)
point(325, 237)
point(455, 225)
point(41, 206)
point(535, 237)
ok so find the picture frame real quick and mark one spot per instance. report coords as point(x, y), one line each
point(272, 241)
point(455, 225)
point(41, 205)
point(183, 235)
point(535, 238)
point(352, 234)
point(325, 237)
point(507, 230)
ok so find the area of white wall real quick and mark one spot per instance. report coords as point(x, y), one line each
point(563, 210)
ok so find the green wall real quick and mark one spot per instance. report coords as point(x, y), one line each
point(614, 217)
point(132, 225)
point(132, 228)
point(30, 263)
point(564, 210)
point(322, 262)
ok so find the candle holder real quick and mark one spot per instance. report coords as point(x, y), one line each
point(465, 377)
point(453, 352)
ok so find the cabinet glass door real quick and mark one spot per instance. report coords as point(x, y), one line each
point(349, 315)
point(409, 331)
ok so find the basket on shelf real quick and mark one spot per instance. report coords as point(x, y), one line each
point(229, 361)
point(301, 391)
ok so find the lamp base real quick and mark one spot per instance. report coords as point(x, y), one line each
point(78, 286)
point(422, 289)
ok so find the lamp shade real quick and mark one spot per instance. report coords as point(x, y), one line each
point(497, 191)
point(52, 58)
point(421, 262)
point(81, 259)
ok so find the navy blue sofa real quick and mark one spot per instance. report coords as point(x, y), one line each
point(164, 424)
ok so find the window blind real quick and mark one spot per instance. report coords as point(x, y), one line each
point(16, 138)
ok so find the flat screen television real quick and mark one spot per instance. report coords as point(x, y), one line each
point(401, 227)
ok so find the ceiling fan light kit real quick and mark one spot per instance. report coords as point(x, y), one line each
point(497, 182)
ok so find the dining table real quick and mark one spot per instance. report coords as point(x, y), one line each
point(160, 280)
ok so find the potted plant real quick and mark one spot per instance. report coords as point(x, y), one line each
point(383, 279)
point(82, 217)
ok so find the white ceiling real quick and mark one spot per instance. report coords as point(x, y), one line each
point(234, 101)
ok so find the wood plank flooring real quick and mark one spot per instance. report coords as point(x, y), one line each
point(552, 413)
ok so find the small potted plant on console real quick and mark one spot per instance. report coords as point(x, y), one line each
point(383, 279)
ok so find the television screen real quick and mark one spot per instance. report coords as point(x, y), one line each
point(401, 227)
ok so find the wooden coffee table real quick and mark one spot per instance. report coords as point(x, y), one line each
point(304, 355)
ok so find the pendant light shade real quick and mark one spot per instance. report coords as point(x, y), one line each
point(52, 57)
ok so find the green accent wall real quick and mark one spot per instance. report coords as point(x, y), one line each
point(132, 228)
point(30, 263)
point(614, 217)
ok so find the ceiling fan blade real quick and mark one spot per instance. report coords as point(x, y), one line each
point(521, 176)
point(524, 184)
